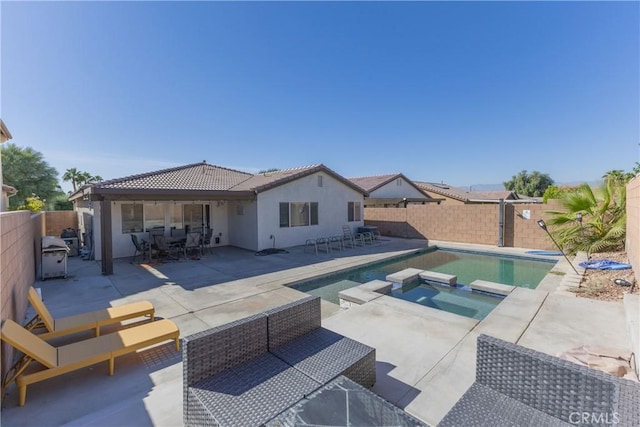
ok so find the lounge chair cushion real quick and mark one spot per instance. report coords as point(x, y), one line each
point(247, 394)
point(70, 357)
point(29, 344)
point(84, 321)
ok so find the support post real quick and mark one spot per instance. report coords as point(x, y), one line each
point(106, 238)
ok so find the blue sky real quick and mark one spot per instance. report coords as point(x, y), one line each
point(462, 92)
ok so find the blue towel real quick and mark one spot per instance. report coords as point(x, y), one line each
point(604, 264)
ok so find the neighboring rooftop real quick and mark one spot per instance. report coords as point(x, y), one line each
point(462, 195)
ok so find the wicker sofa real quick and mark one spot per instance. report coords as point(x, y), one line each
point(517, 386)
point(246, 372)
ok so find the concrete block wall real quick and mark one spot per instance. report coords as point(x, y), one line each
point(470, 223)
point(17, 268)
point(56, 221)
point(632, 244)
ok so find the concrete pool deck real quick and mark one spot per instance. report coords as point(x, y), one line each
point(425, 357)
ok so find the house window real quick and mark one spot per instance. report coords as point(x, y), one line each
point(354, 211)
point(193, 218)
point(131, 218)
point(175, 212)
point(319, 180)
point(298, 214)
point(399, 182)
point(284, 214)
point(153, 216)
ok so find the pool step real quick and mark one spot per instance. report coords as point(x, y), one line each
point(364, 293)
point(408, 275)
point(379, 286)
point(434, 276)
point(493, 287)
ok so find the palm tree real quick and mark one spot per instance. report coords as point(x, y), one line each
point(73, 175)
point(602, 224)
point(618, 175)
point(84, 178)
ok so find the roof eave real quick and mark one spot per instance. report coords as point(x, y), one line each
point(162, 194)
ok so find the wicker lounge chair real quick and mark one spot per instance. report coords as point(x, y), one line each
point(53, 361)
point(232, 378)
point(519, 386)
point(296, 336)
point(82, 322)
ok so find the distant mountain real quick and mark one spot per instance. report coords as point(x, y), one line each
point(500, 187)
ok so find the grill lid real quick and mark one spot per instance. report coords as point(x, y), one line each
point(53, 242)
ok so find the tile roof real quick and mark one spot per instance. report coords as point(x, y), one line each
point(265, 181)
point(205, 177)
point(504, 194)
point(372, 183)
point(444, 190)
point(196, 176)
point(464, 195)
point(262, 181)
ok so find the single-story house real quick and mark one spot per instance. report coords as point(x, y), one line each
point(393, 190)
point(456, 195)
point(280, 209)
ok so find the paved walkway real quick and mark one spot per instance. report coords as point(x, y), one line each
point(425, 357)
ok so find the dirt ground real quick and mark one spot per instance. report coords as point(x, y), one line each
point(599, 284)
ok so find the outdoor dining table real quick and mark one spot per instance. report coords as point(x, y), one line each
point(343, 402)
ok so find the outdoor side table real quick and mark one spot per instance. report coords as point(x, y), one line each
point(343, 402)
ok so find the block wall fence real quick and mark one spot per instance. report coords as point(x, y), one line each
point(470, 223)
point(632, 244)
point(20, 248)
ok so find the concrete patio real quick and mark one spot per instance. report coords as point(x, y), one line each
point(425, 357)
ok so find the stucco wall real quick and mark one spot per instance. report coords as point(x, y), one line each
point(632, 243)
point(332, 199)
point(477, 223)
point(393, 190)
point(19, 239)
point(243, 220)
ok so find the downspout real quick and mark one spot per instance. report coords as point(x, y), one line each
point(501, 224)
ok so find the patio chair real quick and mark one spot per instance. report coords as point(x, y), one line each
point(165, 250)
point(336, 242)
point(323, 243)
point(352, 239)
point(53, 361)
point(193, 244)
point(367, 237)
point(155, 231)
point(141, 248)
point(206, 239)
point(82, 322)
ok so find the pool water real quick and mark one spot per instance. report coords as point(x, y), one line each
point(467, 266)
point(459, 300)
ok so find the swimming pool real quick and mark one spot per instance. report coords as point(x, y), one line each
point(467, 266)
